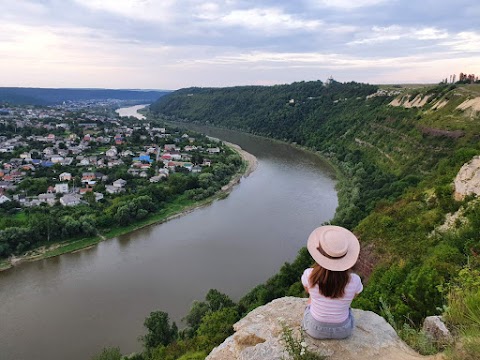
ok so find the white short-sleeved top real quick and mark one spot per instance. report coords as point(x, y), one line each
point(330, 310)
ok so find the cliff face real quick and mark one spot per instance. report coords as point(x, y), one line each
point(467, 181)
point(258, 336)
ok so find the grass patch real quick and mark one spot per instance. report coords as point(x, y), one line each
point(4, 264)
point(417, 339)
point(21, 216)
point(71, 246)
point(463, 315)
point(296, 347)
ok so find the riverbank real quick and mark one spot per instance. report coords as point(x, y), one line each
point(180, 207)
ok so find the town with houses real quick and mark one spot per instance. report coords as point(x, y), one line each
point(67, 154)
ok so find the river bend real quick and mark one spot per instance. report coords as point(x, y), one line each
point(71, 306)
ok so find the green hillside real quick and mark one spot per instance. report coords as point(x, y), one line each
point(398, 150)
point(49, 96)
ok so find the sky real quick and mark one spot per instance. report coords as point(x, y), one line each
point(168, 44)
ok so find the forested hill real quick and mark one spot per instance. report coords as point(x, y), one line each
point(398, 150)
point(43, 96)
point(281, 111)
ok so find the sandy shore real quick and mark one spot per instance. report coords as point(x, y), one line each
point(39, 253)
point(249, 158)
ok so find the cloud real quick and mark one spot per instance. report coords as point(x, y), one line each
point(271, 20)
point(146, 10)
point(324, 60)
point(347, 4)
point(396, 32)
point(167, 43)
point(466, 42)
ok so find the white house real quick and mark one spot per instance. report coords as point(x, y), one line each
point(65, 176)
point(214, 150)
point(112, 152)
point(110, 189)
point(70, 200)
point(175, 156)
point(4, 199)
point(48, 151)
point(61, 188)
point(47, 198)
point(163, 171)
point(155, 179)
point(127, 153)
point(67, 161)
point(120, 183)
point(25, 156)
point(56, 159)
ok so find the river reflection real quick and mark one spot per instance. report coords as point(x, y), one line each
point(72, 306)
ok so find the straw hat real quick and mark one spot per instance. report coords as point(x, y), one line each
point(333, 247)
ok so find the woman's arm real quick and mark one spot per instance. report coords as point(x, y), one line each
point(309, 299)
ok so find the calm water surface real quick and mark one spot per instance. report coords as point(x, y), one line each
point(132, 111)
point(72, 306)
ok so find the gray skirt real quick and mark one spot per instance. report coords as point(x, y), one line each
point(323, 330)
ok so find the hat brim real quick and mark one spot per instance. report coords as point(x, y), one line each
point(340, 264)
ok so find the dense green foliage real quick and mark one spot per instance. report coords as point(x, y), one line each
point(160, 331)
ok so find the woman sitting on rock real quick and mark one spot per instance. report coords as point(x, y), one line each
point(330, 283)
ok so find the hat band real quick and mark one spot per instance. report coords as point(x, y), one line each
point(321, 251)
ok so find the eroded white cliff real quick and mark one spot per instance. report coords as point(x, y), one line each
point(467, 181)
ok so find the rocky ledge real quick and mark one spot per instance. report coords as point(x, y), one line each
point(467, 181)
point(258, 336)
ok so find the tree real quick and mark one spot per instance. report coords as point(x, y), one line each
point(89, 197)
point(109, 354)
point(218, 300)
point(216, 327)
point(205, 180)
point(124, 215)
point(197, 312)
point(160, 331)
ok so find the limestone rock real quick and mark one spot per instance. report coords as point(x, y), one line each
point(436, 329)
point(474, 104)
point(467, 181)
point(258, 336)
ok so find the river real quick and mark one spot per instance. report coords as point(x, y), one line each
point(71, 306)
point(132, 111)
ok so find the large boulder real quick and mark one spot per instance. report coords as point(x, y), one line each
point(467, 181)
point(258, 336)
point(435, 328)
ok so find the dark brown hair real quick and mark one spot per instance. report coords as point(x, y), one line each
point(330, 283)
